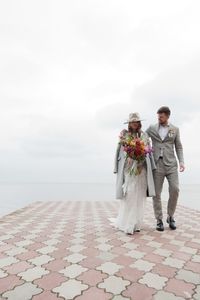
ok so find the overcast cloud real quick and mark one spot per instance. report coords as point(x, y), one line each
point(72, 71)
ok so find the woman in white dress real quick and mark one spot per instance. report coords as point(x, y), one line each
point(132, 189)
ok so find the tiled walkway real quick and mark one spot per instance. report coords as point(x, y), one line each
point(69, 250)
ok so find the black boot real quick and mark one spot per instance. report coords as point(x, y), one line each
point(160, 226)
point(171, 222)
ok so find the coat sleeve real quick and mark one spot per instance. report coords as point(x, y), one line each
point(151, 157)
point(150, 181)
point(179, 147)
point(148, 131)
point(116, 158)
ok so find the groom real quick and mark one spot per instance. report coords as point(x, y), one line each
point(165, 137)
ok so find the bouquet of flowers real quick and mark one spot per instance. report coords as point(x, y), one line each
point(136, 148)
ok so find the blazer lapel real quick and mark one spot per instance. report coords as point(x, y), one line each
point(157, 131)
point(170, 128)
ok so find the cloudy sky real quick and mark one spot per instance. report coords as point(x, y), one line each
point(72, 71)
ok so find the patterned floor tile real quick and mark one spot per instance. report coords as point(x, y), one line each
point(75, 258)
point(180, 288)
point(189, 276)
point(142, 265)
point(139, 292)
point(197, 293)
point(133, 275)
point(94, 293)
point(109, 268)
point(7, 261)
point(50, 281)
point(41, 260)
point(9, 282)
point(161, 295)
point(114, 284)
point(173, 262)
point(25, 291)
point(18, 267)
point(135, 254)
point(73, 270)
point(92, 277)
point(154, 280)
point(70, 250)
point(70, 289)
point(33, 273)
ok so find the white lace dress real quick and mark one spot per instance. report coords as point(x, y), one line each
point(131, 208)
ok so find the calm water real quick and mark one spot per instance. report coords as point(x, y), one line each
point(14, 196)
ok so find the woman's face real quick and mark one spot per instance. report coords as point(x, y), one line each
point(134, 125)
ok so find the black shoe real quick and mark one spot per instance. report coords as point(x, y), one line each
point(160, 226)
point(171, 222)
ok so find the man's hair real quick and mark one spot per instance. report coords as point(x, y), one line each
point(165, 110)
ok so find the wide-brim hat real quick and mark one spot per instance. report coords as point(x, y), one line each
point(133, 117)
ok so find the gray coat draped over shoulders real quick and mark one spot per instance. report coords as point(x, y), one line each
point(119, 163)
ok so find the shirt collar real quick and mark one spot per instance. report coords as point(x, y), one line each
point(166, 126)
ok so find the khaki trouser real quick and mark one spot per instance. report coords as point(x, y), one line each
point(171, 173)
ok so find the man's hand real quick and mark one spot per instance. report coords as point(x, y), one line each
point(182, 167)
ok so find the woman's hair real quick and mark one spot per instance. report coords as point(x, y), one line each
point(139, 127)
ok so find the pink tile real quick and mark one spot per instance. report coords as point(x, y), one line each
point(90, 251)
point(147, 249)
point(119, 250)
point(94, 293)
point(5, 248)
point(123, 260)
point(140, 241)
point(130, 274)
point(56, 265)
point(164, 270)
point(180, 288)
point(182, 255)
point(27, 255)
point(60, 253)
point(172, 247)
point(116, 242)
point(18, 267)
point(92, 277)
point(35, 246)
point(140, 292)
point(90, 262)
point(192, 266)
point(192, 245)
point(155, 258)
point(50, 281)
point(9, 282)
point(14, 240)
point(3, 255)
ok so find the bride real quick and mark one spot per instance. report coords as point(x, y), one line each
point(132, 189)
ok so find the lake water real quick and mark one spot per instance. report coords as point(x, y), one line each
point(15, 196)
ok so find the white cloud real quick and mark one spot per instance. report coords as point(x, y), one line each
point(73, 70)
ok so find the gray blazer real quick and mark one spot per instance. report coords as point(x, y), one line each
point(119, 163)
point(172, 141)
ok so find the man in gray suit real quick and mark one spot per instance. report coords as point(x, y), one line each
point(165, 137)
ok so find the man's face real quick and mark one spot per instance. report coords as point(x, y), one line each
point(163, 118)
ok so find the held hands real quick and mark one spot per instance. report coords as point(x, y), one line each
point(181, 167)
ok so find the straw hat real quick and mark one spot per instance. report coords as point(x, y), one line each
point(133, 117)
